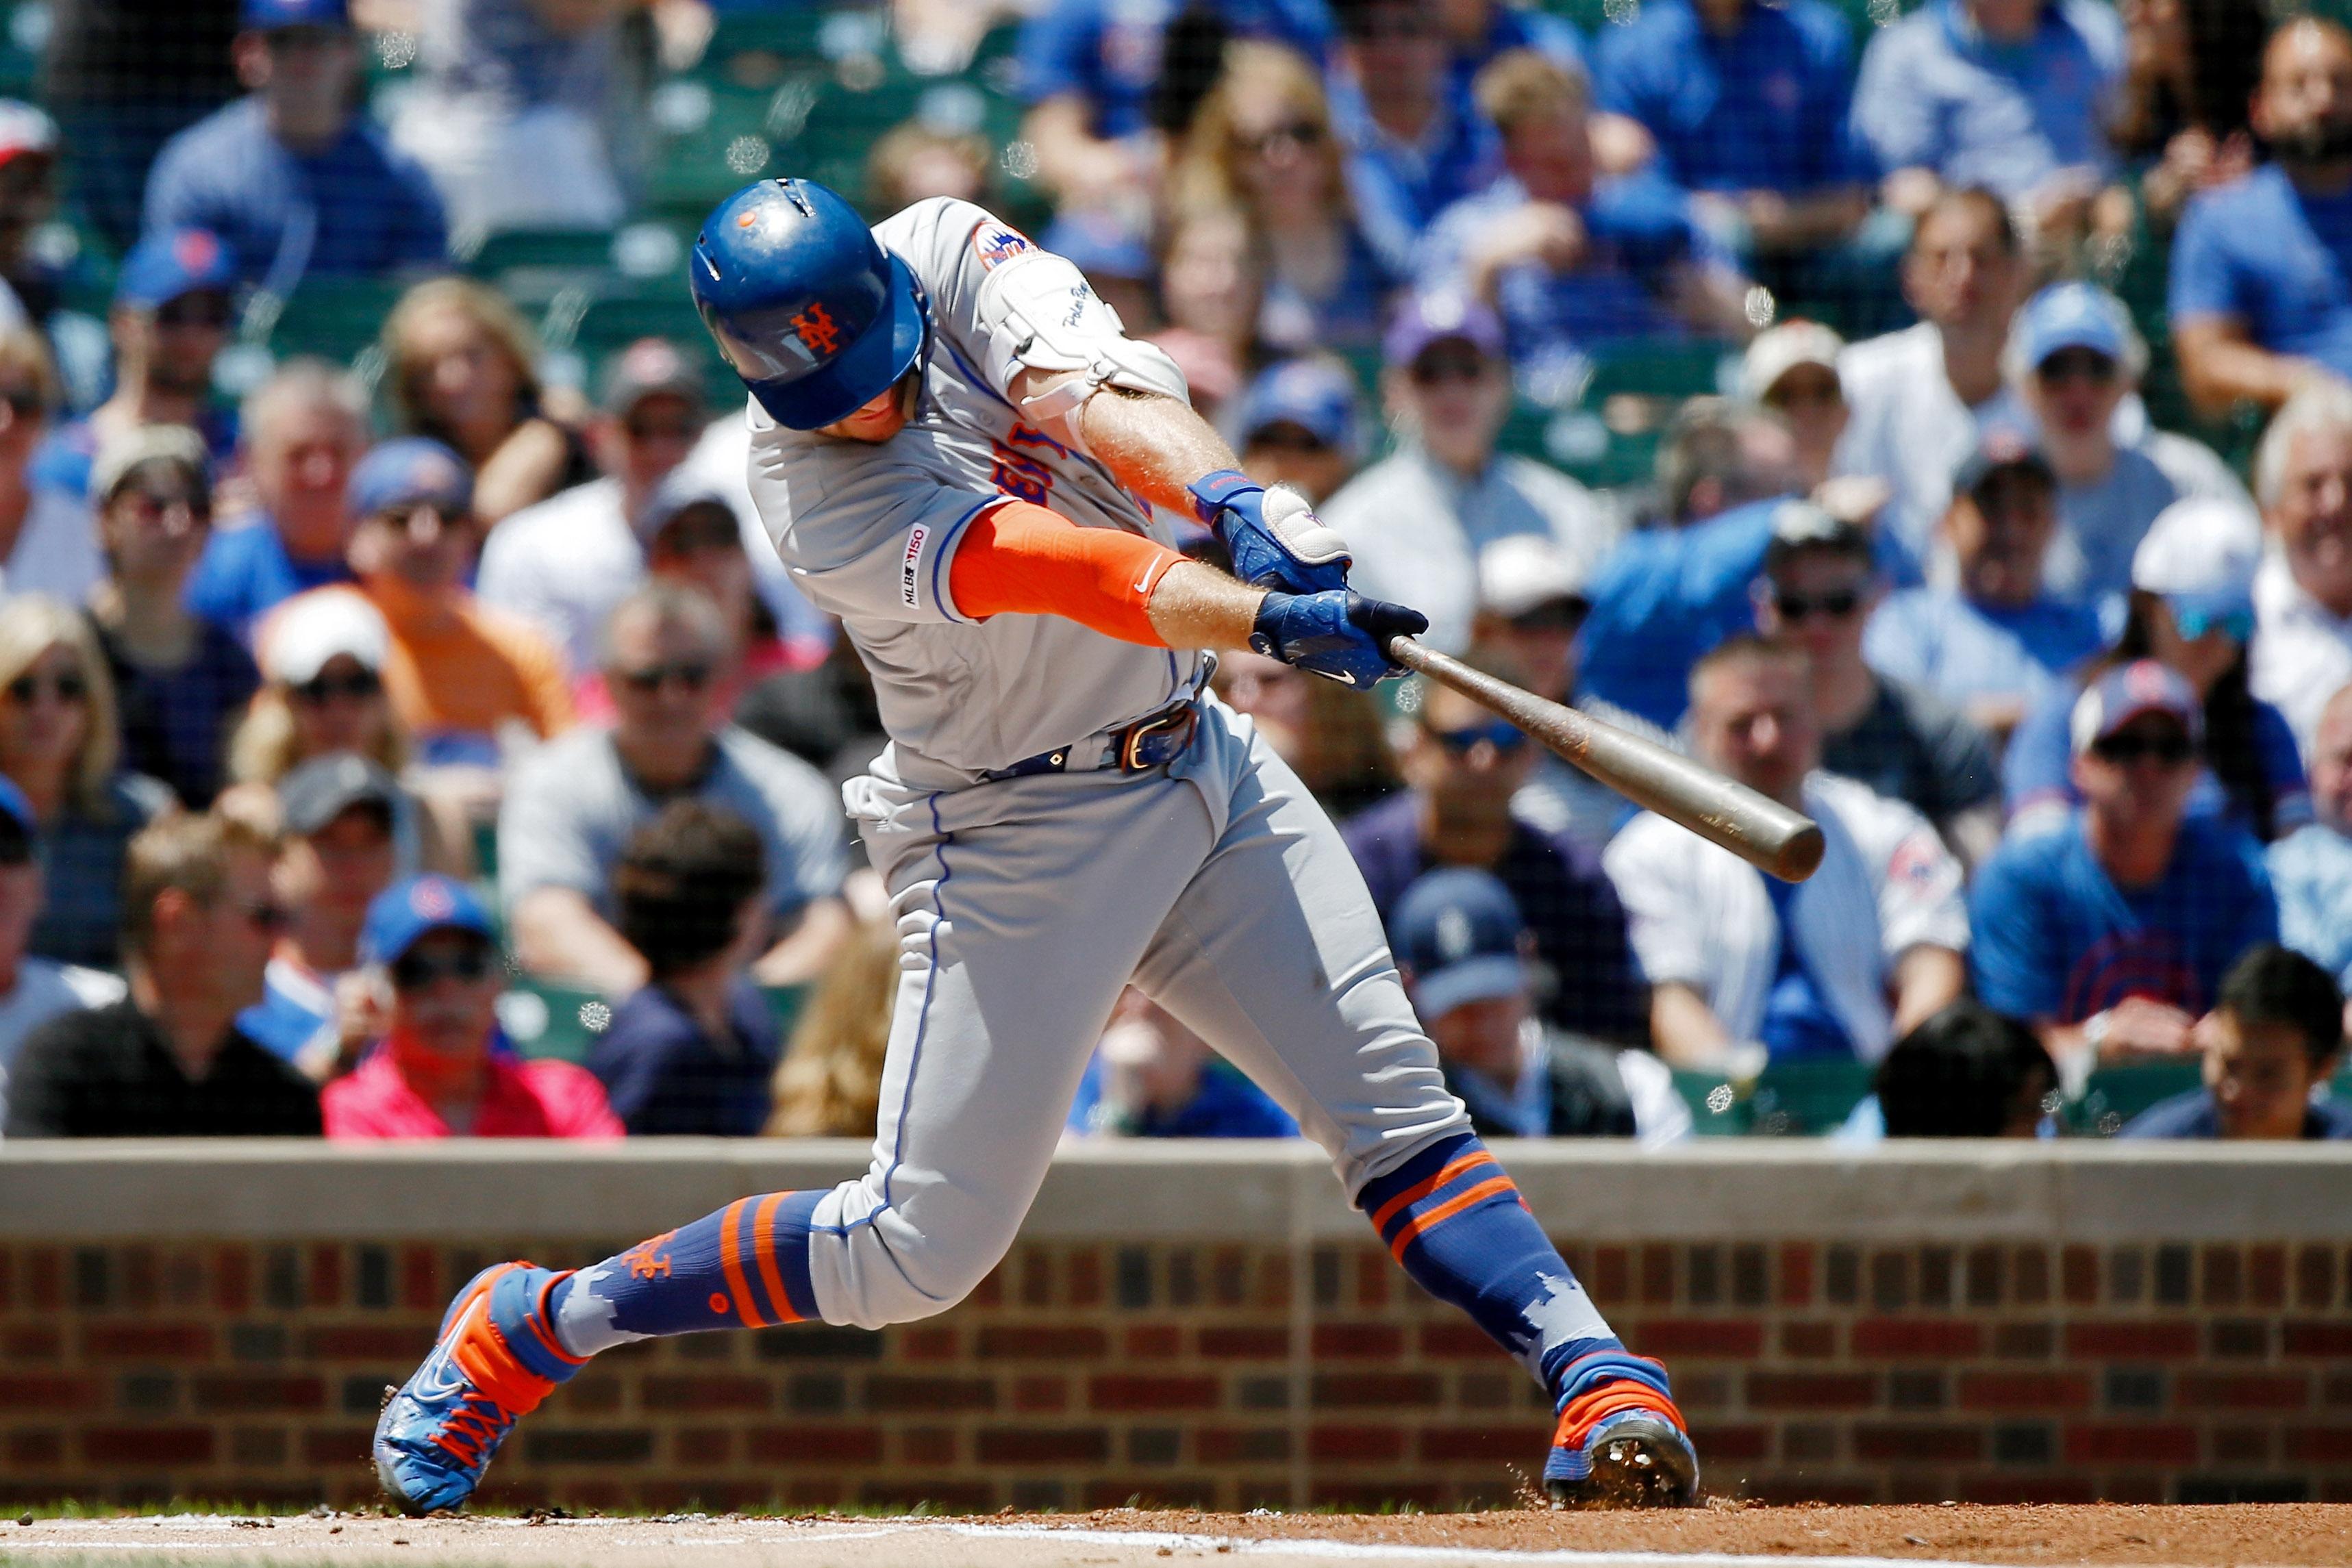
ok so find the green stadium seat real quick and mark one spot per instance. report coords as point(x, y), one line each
point(784, 1004)
point(1790, 1100)
point(2115, 1094)
point(333, 318)
point(552, 1021)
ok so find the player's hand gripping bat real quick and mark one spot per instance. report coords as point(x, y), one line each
point(1757, 828)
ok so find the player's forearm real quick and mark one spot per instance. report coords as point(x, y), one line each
point(1197, 606)
point(1154, 445)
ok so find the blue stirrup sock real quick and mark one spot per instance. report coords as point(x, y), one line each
point(745, 1266)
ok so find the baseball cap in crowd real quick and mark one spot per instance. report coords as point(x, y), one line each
point(123, 453)
point(1315, 395)
point(411, 471)
point(162, 266)
point(1522, 573)
point(1099, 244)
point(2073, 315)
point(2132, 691)
point(24, 130)
point(1783, 349)
point(1461, 936)
point(302, 635)
point(324, 787)
point(413, 908)
point(19, 826)
point(269, 15)
point(1427, 318)
point(648, 367)
point(2201, 554)
point(2000, 450)
point(1799, 526)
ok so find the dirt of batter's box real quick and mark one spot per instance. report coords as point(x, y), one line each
point(2283, 1533)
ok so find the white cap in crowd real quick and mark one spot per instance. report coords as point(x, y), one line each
point(1523, 571)
point(301, 634)
point(1783, 349)
point(2201, 554)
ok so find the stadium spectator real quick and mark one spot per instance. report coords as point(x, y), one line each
point(1966, 1072)
point(1747, 102)
point(1262, 142)
point(2009, 94)
point(322, 656)
point(303, 431)
point(1301, 422)
point(2192, 610)
point(1997, 644)
point(1114, 251)
point(1462, 948)
point(1462, 766)
point(28, 157)
point(522, 113)
point(470, 683)
point(1150, 1077)
point(2311, 868)
point(2073, 356)
point(2110, 932)
point(1212, 285)
point(47, 544)
point(1333, 742)
point(2302, 593)
point(181, 683)
point(692, 1051)
point(572, 805)
point(1415, 521)
point(124, 77)
point(564, 562)
point(169, 1060)
point(340, 815)
point(2261, 295)
point(1920, 397)
point(914, 160)
point(462, 368)
point(441, 1069)
point(60, 744)
point(170, 322)
point(2190, 71)
point(1574, 260)
point(294, 176)
point(1402, 98)
point(37, 990)
point(829, 1084)
point(1744, 968)
point(1902, 741)
point(1792, 370)
point(2270, 1044)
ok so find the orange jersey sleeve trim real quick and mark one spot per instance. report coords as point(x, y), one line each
point(1020, 559)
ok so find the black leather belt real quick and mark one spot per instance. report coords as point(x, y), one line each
point(1151, 741)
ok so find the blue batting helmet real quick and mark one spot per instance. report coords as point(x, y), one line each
point(806, 305)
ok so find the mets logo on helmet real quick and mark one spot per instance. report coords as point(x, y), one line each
point(818, 330)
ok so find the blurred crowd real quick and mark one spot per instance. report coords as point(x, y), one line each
point(357, 718)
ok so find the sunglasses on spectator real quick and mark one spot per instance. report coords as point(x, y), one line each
point(23, 403)
point(154, 505)
point(2077, 364)
point(2238, 626)
point(1553, 615)
point(270, 917)
point(644, 429)
point(2123, 750)
point(1798, 608)
point(1796, 392)
point(414, 971)
point(199, 309)
point(68, 688)
point(1502, 736)
point(1282, 436)
point(692, 674)
point(1299, 132)
point(1442, 365)
point(325, 688)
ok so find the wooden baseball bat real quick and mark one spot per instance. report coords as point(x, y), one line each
point(1757, 828)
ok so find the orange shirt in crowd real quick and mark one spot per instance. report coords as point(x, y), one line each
point(461, 667)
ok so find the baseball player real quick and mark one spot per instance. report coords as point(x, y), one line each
point(958, 450)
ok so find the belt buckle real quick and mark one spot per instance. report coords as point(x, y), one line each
point(1130, 746)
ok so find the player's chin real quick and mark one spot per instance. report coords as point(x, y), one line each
point(872, 426)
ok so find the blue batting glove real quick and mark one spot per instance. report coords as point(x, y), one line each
point(1274, 536)
point(1341, 635)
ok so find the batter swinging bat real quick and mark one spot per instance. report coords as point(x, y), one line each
point(1757, 828)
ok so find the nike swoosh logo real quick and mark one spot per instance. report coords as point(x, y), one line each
point(437, 1380)
point(1143, 584)
point(1346, 677)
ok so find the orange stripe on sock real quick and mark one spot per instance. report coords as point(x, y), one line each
point(731, 1258)
point(1420, 1190)
point(764, 1247)
point(1492, 1186)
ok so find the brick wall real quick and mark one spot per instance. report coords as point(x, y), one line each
point(1082, 1374)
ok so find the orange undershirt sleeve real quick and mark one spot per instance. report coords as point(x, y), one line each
point(1021, 558)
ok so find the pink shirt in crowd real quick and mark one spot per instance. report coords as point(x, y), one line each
point(522, 1100)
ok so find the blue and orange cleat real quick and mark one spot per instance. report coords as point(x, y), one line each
point(1621, 1443)
point(495, 1359)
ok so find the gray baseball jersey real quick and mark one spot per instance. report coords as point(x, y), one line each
point(870, 531)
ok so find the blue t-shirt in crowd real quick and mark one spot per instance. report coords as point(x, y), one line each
point(2055, 938)
point(664, 1075)
point(1663, 598)
point(63, 460)
point(1964, 650)
point(1798, 1020)
point(1762, 109)
point(356, 209)
point(246, 572)
point(175, 723)
point(1225, 1105)
point(2273, 258)
point(2310, 875)
point(296, 1002)
point(1399, 188)
point(2038, 769)
point(2195, 1115)
point(1934, 92)
point(1108, 51)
